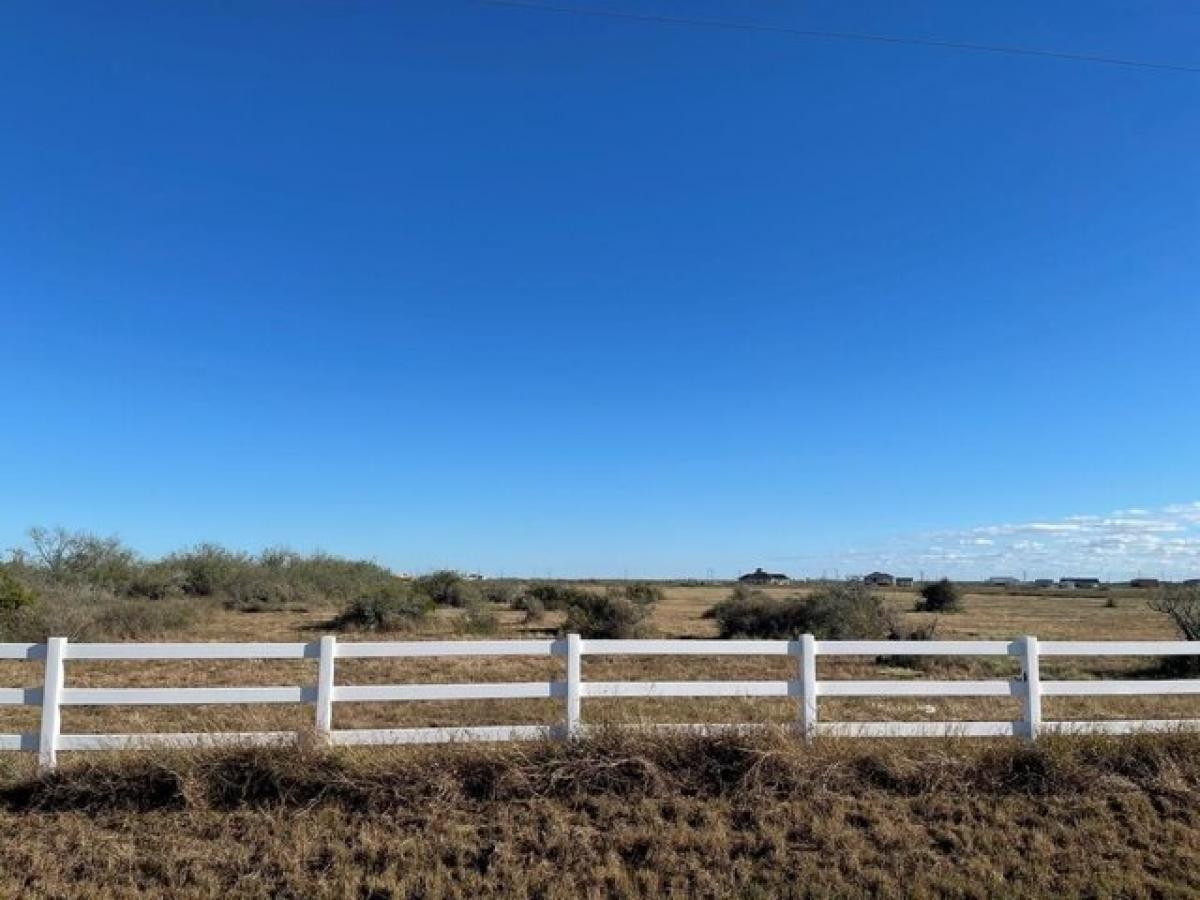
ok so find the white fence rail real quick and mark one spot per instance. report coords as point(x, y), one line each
point(805, 688)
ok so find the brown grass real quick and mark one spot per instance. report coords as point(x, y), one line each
point(617, 815)
point(987, 615)
point(630, 816)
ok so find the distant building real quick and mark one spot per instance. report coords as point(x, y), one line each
point(758, 576)
point(1043, 582)
point(1192, 582)
point(880, 579)
point(1072, 583)
point(1144, 583)
point(904, 581)
point(1003, 581)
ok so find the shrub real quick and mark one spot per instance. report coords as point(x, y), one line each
point(1181, 603)
point(321, 574)
point(503, 593)
point(80, 557)
point(608, 615)
point(447, 588)
point(13, 593)
point(81, 612)
point(641, 593)
point(751, 613)
point(208, 569)
point(839, 612)
point(255, 591)
point(153, 581)
point(940, 596)
point(534, 610)
point(389, 607)
point(554, 596)
point(128, 619)
point(480, 619)
point(902, 632)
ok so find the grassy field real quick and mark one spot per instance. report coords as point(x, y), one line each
point(615, 816)
point(845, 819)
point(987, 615)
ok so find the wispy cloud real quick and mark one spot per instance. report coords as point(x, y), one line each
point(1163, 542)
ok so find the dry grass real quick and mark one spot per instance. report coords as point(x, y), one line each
point(617, 816)
point(612, 816)
point(987, 615)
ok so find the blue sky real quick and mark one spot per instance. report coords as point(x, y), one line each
point(527, 292)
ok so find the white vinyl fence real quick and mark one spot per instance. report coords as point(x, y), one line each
point(804, 687)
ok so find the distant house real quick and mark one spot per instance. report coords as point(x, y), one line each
point(758, 576)
point(1192, 582)
point(904, 581)
point(1003, 581)
point(1071, 583)
point(1043, 582)
point(880, 579)
point(1144, 583)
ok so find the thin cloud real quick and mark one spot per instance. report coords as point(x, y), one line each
point(1163, 542)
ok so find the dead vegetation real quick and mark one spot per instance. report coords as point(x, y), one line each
point(737, 814)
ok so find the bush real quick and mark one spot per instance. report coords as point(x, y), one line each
point(554, 596)
point(81, 612)
point(208, 569)
point(503, 593)
point(608, 615)
point(78, 557)
point(940, 596)
point(13, 593)
point(479, 619)
point(321, 574)
point(447, 588)
point(255, 591)
point(128, 620)
point(751, 613)
point(534, 610)
point(840, 612)
point(903, 632)
point(641, 593)
point(153, 581)
point(1181, 603)
point(389, 607)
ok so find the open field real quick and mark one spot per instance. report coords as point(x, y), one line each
point(617, 815)
point(680, 614)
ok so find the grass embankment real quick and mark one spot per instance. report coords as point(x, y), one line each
point(617, 815)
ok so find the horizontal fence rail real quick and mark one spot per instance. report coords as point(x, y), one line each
point(805, 688)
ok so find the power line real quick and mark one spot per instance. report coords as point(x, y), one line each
point(842, 35)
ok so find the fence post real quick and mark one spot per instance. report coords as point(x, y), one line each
point(52, 686)
point(808, 687)
point(325, 686)
point(1031, 674)
point(574, 677)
